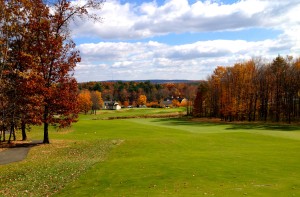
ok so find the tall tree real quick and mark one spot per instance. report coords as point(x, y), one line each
point(278, 70)
point(97, 101)
point(142, 100)
point(85, 101)
point(200, 100)
point(57, 55)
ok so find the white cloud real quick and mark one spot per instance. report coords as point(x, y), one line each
point(131, 21)
point(150, 60)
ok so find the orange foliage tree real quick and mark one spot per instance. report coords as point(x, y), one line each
point(175, 103)
point(142, 100)
point(85, 101)
point(37, 59)
point(125, 103)
point(254, 90)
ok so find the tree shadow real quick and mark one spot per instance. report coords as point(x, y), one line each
point(264, 126)
point(182, 121)
point(229, 125)
point(21, 144)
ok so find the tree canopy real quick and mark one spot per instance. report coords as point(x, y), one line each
point(37, 61)
point(252, 90)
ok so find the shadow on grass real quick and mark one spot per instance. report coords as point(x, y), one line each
point(229, 125)
point(21, 144)
point(264, 126)
point(184, 121)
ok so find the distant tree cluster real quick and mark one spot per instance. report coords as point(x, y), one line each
point(252, 91)
point(90, 101)
point(142, 93)
point(37, 59)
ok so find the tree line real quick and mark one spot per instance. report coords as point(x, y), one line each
point(129, 93)
point(89, 101)
point(37, 61)
point(252, 90)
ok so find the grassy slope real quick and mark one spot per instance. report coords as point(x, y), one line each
point(49, 168)
point(162, 157)
point(158, 157)
point(135, 112)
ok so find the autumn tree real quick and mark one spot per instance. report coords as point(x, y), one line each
point(278, 73)
point(97, 101)
point(19, 81)
point(200, 100)
point(215, 92)
point(253, 90)
point(263, 87)
point(57, 56)
point(126, 103)
point(175, 103)
point(142, 100)
point(190, 93)
point(85, 101)
point(37, 60)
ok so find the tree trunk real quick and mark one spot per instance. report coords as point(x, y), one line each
point(46, 135)
point(3, 140)
point(11, 132)
point(254, 113)
point(46, 125)
point(23, 128)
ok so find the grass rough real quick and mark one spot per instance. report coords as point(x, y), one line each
point(49, 168)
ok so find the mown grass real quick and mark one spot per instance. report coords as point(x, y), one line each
point(171, 157)
point(161, 157)
point(136, 112)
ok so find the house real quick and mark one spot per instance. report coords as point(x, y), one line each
point(168, 102)
point(111, 105)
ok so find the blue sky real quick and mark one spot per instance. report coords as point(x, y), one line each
point(183, 39)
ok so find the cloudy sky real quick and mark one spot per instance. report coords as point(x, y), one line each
point(183, 39)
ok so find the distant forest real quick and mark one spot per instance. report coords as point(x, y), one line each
point(155, 90)
point(252, 90)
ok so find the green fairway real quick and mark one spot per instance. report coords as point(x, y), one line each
point(169, 157)
point(163, 157)
point(135, 112)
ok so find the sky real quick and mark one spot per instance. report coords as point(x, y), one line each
point(182, 39)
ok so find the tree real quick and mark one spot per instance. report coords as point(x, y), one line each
point(126, 103)
point(175, 103)
point(142, 100)
point(97, 87)
point(278, 71)
point(57, 55)
point(199, 108)
point(85, 101)
point(97, 101)
point(19, 81)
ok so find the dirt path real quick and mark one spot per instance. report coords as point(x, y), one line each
point(17, 153)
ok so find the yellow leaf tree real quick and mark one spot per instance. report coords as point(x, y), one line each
point(84, 101)
point(142, 100)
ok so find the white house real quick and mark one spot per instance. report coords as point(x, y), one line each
point(112, 105)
